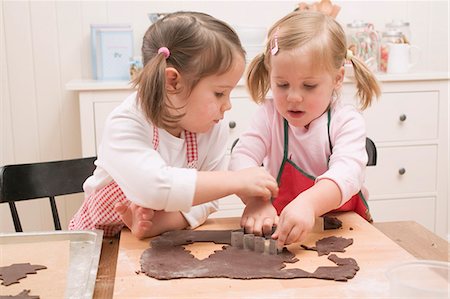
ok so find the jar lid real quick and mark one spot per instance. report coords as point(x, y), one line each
point(392, 33)
point(397, 23)
point(357, 24)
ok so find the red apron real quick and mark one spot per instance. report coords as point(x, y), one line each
point(292, 181)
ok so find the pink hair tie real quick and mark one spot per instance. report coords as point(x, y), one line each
point(164, 51)
point(274, 43)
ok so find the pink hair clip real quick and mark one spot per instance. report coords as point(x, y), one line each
point(165, 51)
point(274, 43)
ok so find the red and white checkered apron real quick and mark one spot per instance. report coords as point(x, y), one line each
point(97, 211)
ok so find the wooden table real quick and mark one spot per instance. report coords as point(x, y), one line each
point(414, 238)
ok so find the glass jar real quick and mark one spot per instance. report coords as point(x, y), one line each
point(135, 67)
point(364, 42)
point(392, 36)
point(401, 26)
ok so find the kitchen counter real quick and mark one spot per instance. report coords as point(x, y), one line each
point(412, 237)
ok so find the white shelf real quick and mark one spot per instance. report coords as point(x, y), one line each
point(89, 84)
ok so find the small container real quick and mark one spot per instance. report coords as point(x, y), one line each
point(154, 17)
point(393, 36)
point(135, 67)
point(401, 26)
point(363, 40)
point(419, 279)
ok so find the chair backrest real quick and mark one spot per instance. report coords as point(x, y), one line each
point(43, 179)
point(371, 152)
point(370, 148)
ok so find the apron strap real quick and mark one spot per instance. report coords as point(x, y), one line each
point(286, 139)
point(328, 130)
point(191, 146)
point(155, 140)
point(329, 138)
point(191, 149)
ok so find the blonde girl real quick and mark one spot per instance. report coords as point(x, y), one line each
point(162, 157)
point(304, 135)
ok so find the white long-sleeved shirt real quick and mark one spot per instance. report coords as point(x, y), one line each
point(308, 147)
point(157, 179)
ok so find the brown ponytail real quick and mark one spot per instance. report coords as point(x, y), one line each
point(151, 84)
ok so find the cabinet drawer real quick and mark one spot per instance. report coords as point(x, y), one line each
point(403, 116)
point(420, 210)
point(239, 117)
point(408, 169)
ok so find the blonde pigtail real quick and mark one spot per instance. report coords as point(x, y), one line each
point(366, 83)
point(258, 79)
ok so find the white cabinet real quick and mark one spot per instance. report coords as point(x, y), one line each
point(409, 125)
point(238, 118)
point(97, 100)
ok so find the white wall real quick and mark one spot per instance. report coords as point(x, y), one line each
point(45, 44)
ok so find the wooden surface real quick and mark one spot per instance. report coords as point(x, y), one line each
point(407, 234)
point(104, 284)
point(374, 252)
point(416, 239)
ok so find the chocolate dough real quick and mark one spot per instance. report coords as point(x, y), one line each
point(330, 244)
point(330, 222)
point(21, 295)
point(167, 259)
point(12, 274)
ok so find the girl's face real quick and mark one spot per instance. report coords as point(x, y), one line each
point(206, 104)
point(301, 88)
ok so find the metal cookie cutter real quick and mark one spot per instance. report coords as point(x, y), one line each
point(250, 242)
point(265, 244)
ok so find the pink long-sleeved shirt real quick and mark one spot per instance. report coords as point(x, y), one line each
point(309, 148)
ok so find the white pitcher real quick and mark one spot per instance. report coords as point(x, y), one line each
point(401, 58)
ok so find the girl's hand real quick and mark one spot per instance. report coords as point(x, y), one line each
point(256, 182)
point(136, 218)
point(296, 221)
point(259, 217)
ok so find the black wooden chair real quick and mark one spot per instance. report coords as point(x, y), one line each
point(371, 152)
point(44, 179)
point(370, 148)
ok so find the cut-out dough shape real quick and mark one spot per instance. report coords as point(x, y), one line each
point(11, 274)
point(21, 295)
point(330, 222)
point(330, 244)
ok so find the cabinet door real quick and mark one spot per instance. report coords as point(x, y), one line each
point(239, 117)
point(101, 112)
point(420, 210)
